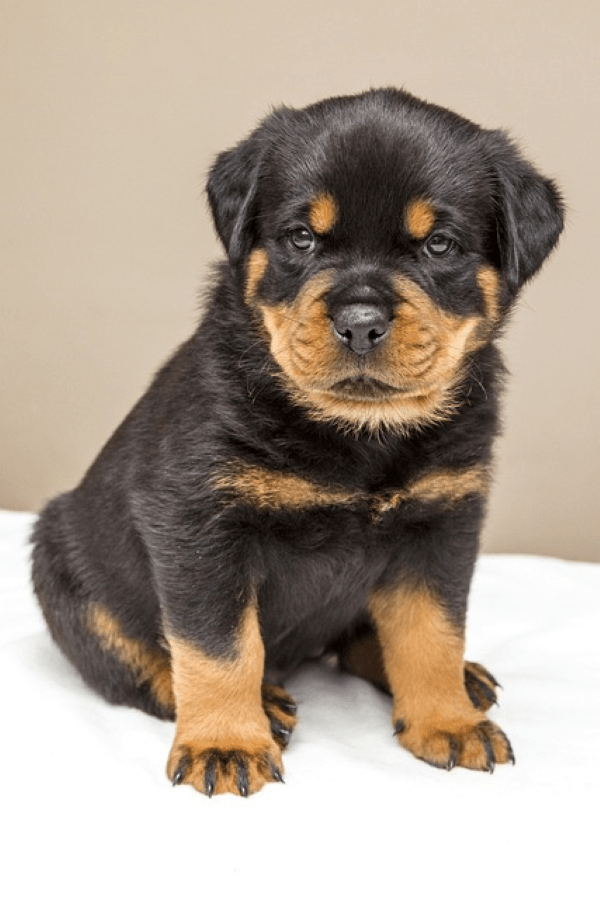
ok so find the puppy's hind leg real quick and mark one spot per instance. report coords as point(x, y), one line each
point(125, 668)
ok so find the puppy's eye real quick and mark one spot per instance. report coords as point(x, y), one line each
point(439, 245)
point(302, 239)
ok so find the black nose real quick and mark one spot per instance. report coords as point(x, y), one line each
point(361, 326)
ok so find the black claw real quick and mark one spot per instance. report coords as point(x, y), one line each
point(210, 776)
point(242, 777)
point(180, 771)
point(400, 727)
point(509, 749)
point(453, 754)
point(277, 775)
point(281, 733)
point(488, 693)
point(178, 776)
point(489, 751)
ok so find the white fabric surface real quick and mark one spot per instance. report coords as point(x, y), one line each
point(87, 809)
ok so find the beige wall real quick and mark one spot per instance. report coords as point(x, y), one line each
point(111, 113)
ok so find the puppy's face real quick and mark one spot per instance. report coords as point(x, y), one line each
point(376, 251)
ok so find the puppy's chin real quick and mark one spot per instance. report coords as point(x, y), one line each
point(362, 404)
point(364, 387)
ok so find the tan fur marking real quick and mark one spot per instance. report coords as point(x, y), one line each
point(149, 664)
point(276, 490)
point(423, 659)
point(257, 265)
point(217, 697)
point(323, 214)
point(420, 218)
point(489, 284)
point(443, 485)
point(219, 708)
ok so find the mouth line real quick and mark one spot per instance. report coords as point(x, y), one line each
point(365, 388)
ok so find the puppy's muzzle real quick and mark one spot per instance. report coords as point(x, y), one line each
point(361, 326)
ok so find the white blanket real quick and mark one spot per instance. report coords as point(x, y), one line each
point(87, 810)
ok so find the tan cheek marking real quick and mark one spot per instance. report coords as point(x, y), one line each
point(300, 333)
point(220, 699)
point(419, 218)
point(257, 265)
point(274, 490)
point(422, 321)
point(149, 665)
point(323, 214)
point(489, 284)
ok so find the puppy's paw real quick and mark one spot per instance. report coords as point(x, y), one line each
point(479, 745)
point(280, 709)
point(480, 686)
point(212, 770)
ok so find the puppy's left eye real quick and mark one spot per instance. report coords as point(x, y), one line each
point(439, 245)
point(302, 239)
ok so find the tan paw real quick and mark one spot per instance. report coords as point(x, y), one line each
point(479, 745)
point(242, 770)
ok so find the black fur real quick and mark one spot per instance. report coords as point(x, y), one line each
point(149, 536)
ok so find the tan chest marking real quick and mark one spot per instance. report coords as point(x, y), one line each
point(276, 491)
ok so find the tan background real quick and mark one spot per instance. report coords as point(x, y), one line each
point(111, 114)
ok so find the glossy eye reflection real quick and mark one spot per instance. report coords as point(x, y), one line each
point(439, 245)
point(302, 239)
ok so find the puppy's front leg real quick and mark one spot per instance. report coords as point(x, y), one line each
point(423, 647)
point(223, 741)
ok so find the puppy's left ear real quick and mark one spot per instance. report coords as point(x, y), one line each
point(529, 213)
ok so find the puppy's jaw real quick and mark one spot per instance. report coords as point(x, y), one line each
point(408, 381)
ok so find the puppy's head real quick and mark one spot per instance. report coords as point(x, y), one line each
point(379, 242)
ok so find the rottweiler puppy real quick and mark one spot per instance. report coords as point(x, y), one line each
point(309, 472)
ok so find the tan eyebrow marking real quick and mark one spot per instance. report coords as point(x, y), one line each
point(323, 213)
point(419, 218)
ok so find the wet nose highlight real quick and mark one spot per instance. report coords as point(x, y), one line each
point(361, 326)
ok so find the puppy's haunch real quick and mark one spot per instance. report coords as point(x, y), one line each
point(309, 473)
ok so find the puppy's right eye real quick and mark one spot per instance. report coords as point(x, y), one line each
point(302, 239)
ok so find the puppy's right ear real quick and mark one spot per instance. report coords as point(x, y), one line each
point(231, 188)
point(233, 183)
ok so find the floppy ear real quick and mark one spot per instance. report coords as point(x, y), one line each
point(231, 188)
point(529, 213)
